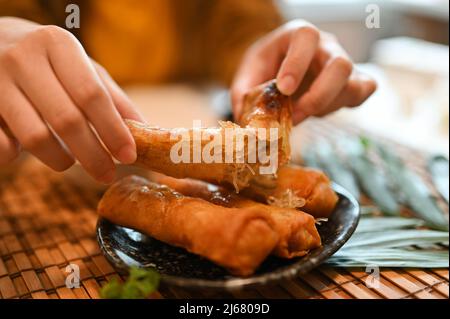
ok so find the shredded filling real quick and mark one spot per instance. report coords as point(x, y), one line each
point(288, 199)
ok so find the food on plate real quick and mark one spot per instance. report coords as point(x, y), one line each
point(238, 239)
point(297, 187)
point(296, 230)
point(273, 214)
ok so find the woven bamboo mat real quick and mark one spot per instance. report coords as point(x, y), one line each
point(48, 222)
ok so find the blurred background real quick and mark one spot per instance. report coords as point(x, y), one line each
point(408, 56)
point(175, 57)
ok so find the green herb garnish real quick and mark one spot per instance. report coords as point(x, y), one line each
point(139, 285)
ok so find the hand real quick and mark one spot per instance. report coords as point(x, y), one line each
point(59, 105)
point(308, 64)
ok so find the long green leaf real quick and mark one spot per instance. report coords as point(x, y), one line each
point(368, 210)
point(393, 242)
point(416, 193)
point(330, 162)
point(384, 241)
point(371, 224)
point(371, 178)
point(390, 257)
point(397, 238)
point(438, 167)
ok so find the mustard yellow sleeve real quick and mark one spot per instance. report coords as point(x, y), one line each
point(25, 9)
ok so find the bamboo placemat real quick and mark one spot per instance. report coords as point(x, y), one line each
point(47, 222)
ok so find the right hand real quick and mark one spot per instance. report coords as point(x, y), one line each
point(58, 104)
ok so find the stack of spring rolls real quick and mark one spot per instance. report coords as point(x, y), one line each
point(197, 207)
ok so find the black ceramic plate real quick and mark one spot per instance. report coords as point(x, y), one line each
point(124, 247)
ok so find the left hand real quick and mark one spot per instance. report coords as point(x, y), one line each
point(308, 64)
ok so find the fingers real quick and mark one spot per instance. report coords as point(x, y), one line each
point(86, 89)
point(355, 93)
point(295, 54)
point(286, 54)
point(121, 101)
point(66, 120)
point(303, 45)
point(358, 89)
point(259, 65)
point(32, 133)
point(9, 148)
point(325, 88)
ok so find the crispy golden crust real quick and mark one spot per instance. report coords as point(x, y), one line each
point(296, 230)
point(293, 185)
point(264, 107)
point(154, 147)
point(192, 223)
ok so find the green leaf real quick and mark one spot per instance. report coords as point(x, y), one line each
point(393, 242)
point(438, 167)
point(415, 191)
point(372, 180)
point(390, 257)
point(371, 224)
point(112, 290)
point(397, 238)
point(131, 290)
point(140, 284)
point(365, 141)
point(368, 210)
point(331, 163)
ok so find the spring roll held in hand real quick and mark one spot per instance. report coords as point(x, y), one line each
point(296, 187)
point(158, 150)
point(296, 230)
point(266, 107)
point(266, 111)
point(292, 186)
point(237, 239)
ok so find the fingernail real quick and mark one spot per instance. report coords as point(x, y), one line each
point(109, 177)
point(127, 154)
point(287, 85)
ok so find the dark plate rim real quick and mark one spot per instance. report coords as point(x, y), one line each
point(301, 267)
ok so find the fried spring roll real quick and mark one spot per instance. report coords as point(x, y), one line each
point(264, 108)
point(296, 230)
point(296, 187)
point(237, 239)
point(181, 152)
